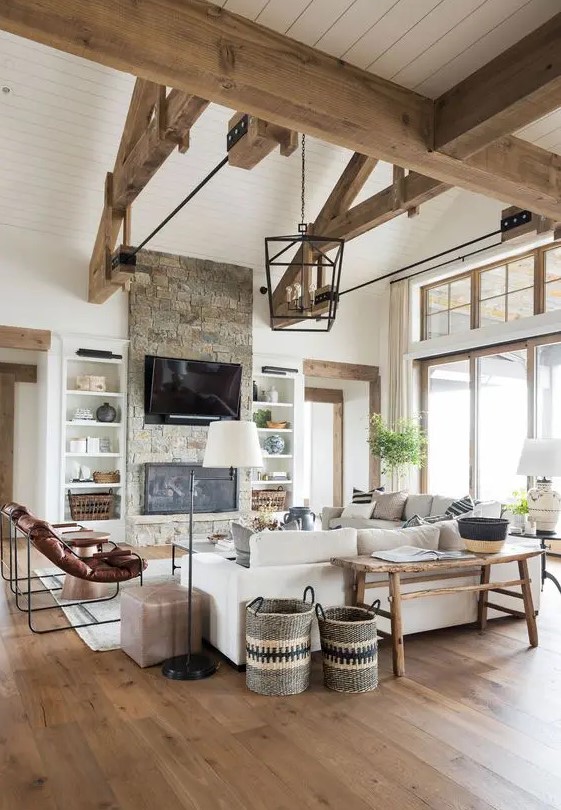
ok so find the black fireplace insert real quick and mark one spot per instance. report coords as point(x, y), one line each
point(166, 489)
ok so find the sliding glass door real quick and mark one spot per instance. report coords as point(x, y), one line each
point(448, 426)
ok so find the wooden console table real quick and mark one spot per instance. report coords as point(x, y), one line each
point(433, 571)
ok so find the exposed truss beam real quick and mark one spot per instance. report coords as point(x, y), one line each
point(213, 54)
point(259, 140)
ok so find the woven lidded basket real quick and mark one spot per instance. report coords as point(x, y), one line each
point(112, 477)
point(483, 535)
point(349, 647)
point(273, 499)
point(278, 644)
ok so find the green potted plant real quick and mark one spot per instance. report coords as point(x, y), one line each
point(518, 509)
point(399, 447)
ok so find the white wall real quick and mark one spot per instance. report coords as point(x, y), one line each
point(321, 456)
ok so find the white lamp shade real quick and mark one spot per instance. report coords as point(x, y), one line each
point(233, 444)
point(540, 457)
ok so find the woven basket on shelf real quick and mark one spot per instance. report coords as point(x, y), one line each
point(278, 644)
point(349, 647)
point(483, 535)
point(112, 477)
point(91, 506)
point(273, 499)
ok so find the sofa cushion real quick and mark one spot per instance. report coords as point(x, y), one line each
point(370, 540)
point(360, 496)
point(450, 539)
point(417, 505)
point(363, 523)
point(296, 548)
point(358, 510)
point(389, 505)
point(241, 535)
point(439, 505)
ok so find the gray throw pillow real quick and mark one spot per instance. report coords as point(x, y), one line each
point(389, 505)
point(241, 535)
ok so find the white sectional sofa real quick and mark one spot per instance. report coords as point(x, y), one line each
point(282, 564)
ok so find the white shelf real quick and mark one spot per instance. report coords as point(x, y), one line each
point(113, 361)
point(274, 430)
point(255, 484)
point(277, 455)
point(93, 455)
point(87, 485)
point(75, 392)
point(270, 376)
point(273, 404)
point(92, 423)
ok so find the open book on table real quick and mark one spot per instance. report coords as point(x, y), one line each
point(412, 554)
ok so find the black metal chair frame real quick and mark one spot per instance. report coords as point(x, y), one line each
point(14, 580)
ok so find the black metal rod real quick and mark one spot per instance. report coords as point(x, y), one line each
point(181, 205)
point(424, 261)
point(449, 261)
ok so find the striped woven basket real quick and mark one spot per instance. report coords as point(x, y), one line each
point(278, 644)
point(349, 647)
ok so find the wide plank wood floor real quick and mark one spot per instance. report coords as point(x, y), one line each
point(476, 724)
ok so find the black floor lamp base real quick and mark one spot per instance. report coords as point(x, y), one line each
point(189, 668)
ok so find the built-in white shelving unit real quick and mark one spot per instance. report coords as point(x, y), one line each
point(111, 434)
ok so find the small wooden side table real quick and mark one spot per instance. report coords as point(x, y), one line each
point(435, 570)
point(85, 544)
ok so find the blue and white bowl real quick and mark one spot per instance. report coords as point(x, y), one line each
point(273, 445)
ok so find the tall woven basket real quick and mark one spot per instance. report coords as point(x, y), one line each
point(349, 647)
point(278, 644)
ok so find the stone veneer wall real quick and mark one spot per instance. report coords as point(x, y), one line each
point(193, 309)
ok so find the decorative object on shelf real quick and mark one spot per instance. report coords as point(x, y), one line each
point(530, 527)
point(91, 382)
point(398, 448)
point(105, 445)
point(273, 395)
point(307, 307)
point(303, 515)
point(229, 445)
point(78, 445)
point(98, 353)
point(85, 473)
point(74, 471)
point(91, 506)
point(280, 370)
point(518, 510)
point(255, 391)
point(274, 445)
point(92, 445)
point(112, 477)
point(273, 500)
point(262, 417)
point(106, 413)
point(278, 476)
point(542, 457)
point(277, 425)
point(483, 535)
point(83, 415)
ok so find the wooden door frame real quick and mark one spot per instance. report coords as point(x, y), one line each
point(333, 396)
point(331, 370)
point(10, 374)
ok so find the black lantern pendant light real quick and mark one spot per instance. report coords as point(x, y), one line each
point(308, 302)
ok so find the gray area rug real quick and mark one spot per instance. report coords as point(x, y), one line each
point(103, 637)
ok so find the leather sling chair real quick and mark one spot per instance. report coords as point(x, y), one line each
point(110, 567)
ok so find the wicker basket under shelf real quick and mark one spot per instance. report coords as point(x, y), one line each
point(273, 499)
point(112, 477)
point(91, 505)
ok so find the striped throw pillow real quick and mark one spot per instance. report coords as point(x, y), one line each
point(417, 520)
point(365, 497)
point(461, 507)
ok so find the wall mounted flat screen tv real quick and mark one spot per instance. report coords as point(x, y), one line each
point(193, 390)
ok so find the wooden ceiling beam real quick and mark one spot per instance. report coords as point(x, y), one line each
point(509, 92)
point(260, 139)
point(16, 337)
point(214, 54)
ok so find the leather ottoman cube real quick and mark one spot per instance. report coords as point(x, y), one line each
point(154, 622)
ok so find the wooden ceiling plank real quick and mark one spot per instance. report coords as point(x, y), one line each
point(207, 51)
point(16, 337)
point(509, 92)
point(143, 100)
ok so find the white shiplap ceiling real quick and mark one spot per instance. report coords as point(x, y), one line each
point(61, 123)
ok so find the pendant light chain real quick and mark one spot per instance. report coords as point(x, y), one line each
point(303, 210)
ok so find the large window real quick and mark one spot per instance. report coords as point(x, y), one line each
point(498, 293)
point(479, 406)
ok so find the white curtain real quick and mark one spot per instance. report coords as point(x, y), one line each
point(399, 368)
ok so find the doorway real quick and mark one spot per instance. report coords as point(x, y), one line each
point(324, 447)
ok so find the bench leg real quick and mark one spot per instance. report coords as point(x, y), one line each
point(396, 623)
point(482, 601)
point(528, 603)
point(360, 585)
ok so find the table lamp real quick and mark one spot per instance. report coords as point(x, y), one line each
point(230, 445)
point(541, 458)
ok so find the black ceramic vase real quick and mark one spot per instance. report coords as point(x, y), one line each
point(106, 413)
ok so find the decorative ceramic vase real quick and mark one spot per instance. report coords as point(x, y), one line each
point(106, 413)
point(274, 445)
point(303, 515)
point(544, 506)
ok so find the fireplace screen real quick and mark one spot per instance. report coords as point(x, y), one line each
point(166, 489)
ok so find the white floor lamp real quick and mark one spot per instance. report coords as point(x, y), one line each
point(229, 445)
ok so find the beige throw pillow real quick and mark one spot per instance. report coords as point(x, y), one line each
point(389, 505)
point(358, 510)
